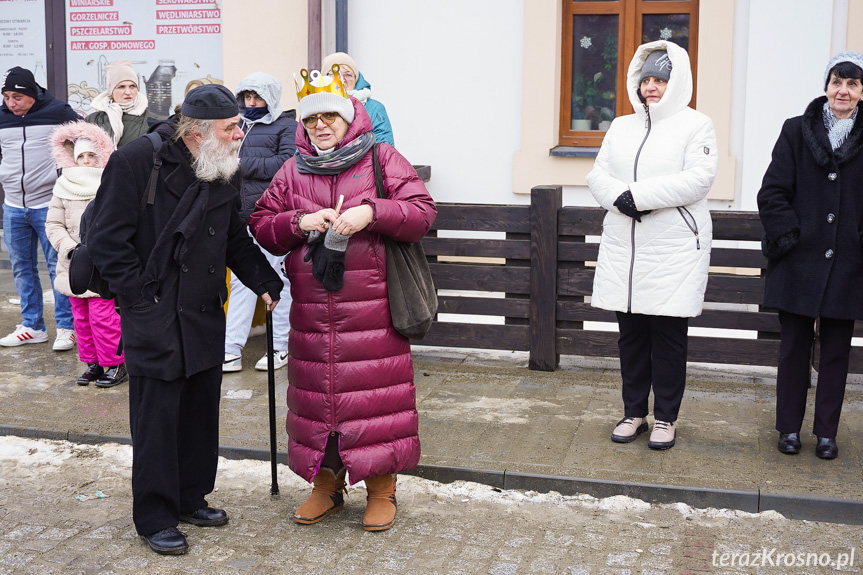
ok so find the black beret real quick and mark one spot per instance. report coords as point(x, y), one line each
point(210, 102)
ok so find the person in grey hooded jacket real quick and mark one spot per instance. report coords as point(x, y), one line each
point(268, 144)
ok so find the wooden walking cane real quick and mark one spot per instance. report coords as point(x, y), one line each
point(271, 392)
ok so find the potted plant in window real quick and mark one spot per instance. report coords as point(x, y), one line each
point(591, 100)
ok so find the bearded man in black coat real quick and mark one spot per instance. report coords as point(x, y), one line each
point(166, 260)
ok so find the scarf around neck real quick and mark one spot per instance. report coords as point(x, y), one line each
point(115, 111)
point(78, 183)
point(362, 95)
point(837, 129)
point(337, 160)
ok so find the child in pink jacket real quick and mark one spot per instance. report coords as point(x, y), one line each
point(81, 150)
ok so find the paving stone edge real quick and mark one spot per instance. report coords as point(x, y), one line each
point(792, 505)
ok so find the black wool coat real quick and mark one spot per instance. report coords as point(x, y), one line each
point(167, 263)
point(811, 206)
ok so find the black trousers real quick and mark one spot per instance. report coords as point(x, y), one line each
point(175, 446)
point(652, 353)
point(792, 378)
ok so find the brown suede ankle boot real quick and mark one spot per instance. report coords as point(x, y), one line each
point(327, 497)
point(381, 503)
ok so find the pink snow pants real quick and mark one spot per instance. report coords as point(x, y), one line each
point(97, 328)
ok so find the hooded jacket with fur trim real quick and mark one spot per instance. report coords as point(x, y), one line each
point(811, 207)
point(74, 190)
point(666, 156)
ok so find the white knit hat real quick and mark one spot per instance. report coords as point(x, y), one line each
point(848, 56)
point(119, 71)
point(83, 145)
point(342, 59)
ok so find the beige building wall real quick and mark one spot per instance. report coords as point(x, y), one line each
point(272, 38)
point(532, 164)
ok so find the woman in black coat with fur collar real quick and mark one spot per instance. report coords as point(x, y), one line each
point(811, 206)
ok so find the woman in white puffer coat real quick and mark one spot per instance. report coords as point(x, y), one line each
point(652, 174)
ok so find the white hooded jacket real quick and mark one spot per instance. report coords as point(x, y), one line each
point(667, 158)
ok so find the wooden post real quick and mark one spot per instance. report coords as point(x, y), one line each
point(545, 203)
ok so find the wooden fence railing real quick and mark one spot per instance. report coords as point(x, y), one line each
point(531, 268)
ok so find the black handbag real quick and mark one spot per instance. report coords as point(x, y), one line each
point(411, 291)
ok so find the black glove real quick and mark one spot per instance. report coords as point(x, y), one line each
point(626, 205)
point(333, 254)
point(328, 258)
point(316, 244)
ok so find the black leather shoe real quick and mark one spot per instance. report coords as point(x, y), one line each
point(205, 517)
point(94, 372)
point(170, 541)
point(826, 448)
point(789, 443)
point(114, 376)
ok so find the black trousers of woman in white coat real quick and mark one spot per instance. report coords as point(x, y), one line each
point(652, 354)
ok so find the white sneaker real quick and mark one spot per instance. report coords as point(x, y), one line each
point(663, 435)
point(280, 359)
point(232, 363)
point(23, 335)
point(65, 339)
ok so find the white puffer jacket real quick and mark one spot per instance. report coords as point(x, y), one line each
point(668, 161)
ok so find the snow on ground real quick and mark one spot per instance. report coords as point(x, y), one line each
point(31, 458)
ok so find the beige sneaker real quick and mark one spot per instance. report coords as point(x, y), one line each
point(663, 435)
point(628, 429)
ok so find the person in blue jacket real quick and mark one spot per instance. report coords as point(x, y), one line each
point(28, 115)
point(359, 88)
point(268, 144)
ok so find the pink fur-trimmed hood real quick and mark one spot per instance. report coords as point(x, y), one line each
point(63, 140)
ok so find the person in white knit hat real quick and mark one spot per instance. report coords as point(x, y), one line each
point(351, 401)
point(121, 110)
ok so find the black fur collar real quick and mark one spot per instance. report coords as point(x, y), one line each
point(815, 136)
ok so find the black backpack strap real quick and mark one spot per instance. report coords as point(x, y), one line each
point(379, 177)
point(149, 198)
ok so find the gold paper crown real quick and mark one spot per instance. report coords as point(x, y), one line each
point(334, 87)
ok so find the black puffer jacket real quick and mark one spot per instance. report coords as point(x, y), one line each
point(269, 141)
point(811, 206)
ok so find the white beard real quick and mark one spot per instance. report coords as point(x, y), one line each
point(217, 160)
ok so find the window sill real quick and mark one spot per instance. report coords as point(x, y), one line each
point(573, 152)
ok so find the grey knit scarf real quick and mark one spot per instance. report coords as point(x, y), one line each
point(337, 161)
point(837, 129)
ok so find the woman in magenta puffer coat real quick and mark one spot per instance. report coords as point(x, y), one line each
point(351, 398)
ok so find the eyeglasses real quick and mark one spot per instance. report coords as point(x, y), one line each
point(328, 118)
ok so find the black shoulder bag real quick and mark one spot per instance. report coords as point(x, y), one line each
point(411, 291)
